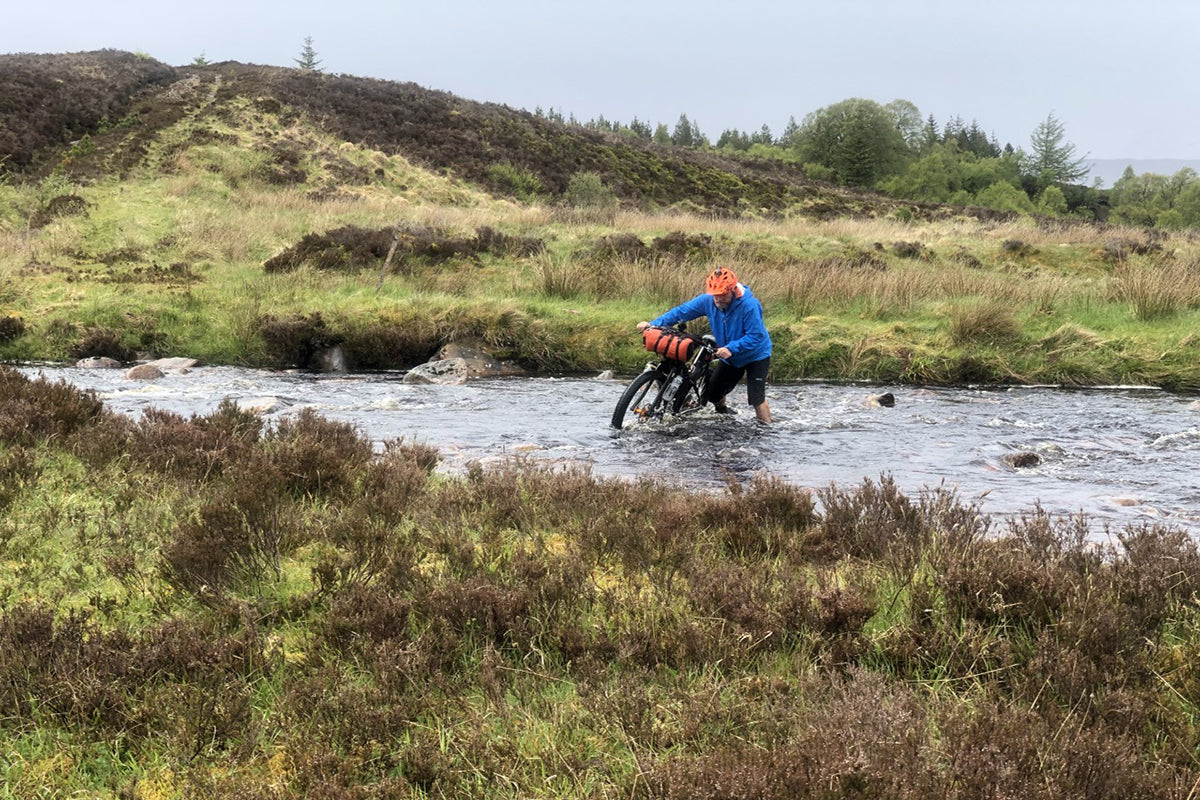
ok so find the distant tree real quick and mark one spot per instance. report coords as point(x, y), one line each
point(790, 131)
point(640, 129)
point(974, 140)
point(308, 60)
point(907, 118)
point(200, 60)
point(600, 124)
point(733, 139)
point(857, 139)
point(1005, 197)
point(586, 190)
point(763, 136)
point(1188, 205)
point(681, 134)
point(1159, 200)
point(661, 134)
point(1050, 155)
point(930, 135)
point(1052, 201)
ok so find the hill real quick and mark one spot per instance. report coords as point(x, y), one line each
point(121, 102)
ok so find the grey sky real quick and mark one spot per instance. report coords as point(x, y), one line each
point(1121, 75)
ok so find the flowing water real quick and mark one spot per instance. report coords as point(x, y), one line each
point(1119, 455)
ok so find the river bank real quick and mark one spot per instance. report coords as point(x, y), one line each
point(957, 301)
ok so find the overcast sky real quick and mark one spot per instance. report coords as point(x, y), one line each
point(1121, 75)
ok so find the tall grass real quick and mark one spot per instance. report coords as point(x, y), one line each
point(1155, 289)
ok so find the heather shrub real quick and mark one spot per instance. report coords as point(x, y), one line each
point(11, 327)
point(742, 595)
point(198, 448)
point(388, 345)
point(35, 410)
point(346, 248)
point(235, 539)
point(316, 455)
point(875, 521)
point(18, 467)
point(102, 343)
point(761, 519)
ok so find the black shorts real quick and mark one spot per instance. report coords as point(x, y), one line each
point(725, 377)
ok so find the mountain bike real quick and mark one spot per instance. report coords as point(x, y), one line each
point(673, 385)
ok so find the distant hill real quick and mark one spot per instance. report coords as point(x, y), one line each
point(1110, 169)
point(121, 102)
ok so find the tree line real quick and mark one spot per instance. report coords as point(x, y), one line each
point(895, 149)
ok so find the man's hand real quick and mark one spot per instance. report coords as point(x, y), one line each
point(643, 325)
point(723, 352)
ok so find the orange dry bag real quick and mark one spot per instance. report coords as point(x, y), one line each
point(670, 344)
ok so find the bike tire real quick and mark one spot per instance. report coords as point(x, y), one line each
point(644, 393)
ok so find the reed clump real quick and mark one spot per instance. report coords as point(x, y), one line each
point(1158, 288)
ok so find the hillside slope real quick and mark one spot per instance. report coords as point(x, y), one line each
point(120, 102)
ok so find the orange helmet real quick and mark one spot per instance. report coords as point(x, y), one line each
point(721, 280)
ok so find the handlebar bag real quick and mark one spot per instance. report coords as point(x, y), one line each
point(669, 344)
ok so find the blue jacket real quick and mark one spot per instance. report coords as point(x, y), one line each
point(739, 327)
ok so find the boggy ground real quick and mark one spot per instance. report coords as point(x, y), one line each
point(219, 607)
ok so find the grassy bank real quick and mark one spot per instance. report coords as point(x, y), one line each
point(170, 258)
point(214, 607)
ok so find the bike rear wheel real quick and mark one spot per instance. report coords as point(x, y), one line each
point(642, 398)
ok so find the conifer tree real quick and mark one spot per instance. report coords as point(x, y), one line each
point(1052, 156)
point(308, 60)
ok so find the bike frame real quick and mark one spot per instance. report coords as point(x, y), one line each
point(677, 387)
point(695, 372)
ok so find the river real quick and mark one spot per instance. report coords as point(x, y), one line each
point(1119, 455)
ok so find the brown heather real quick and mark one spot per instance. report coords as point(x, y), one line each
point(293, 614)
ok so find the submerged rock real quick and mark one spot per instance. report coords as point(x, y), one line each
point(98, 362)
point(446, 371)
point(143, 372)
point(261, 405)
point(479, 363)
point(885, 400)
point(177, 363)
point(1022, 460)
point(331, 360)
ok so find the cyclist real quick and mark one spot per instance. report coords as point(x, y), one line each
point(744, 346)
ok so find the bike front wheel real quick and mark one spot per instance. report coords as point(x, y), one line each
point(641, 398)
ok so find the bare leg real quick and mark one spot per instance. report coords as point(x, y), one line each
point(762, 412)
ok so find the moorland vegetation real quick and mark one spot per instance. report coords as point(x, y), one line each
point(242, 214)
point(221, 606)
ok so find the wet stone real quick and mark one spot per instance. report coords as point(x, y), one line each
point(1022, 460)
